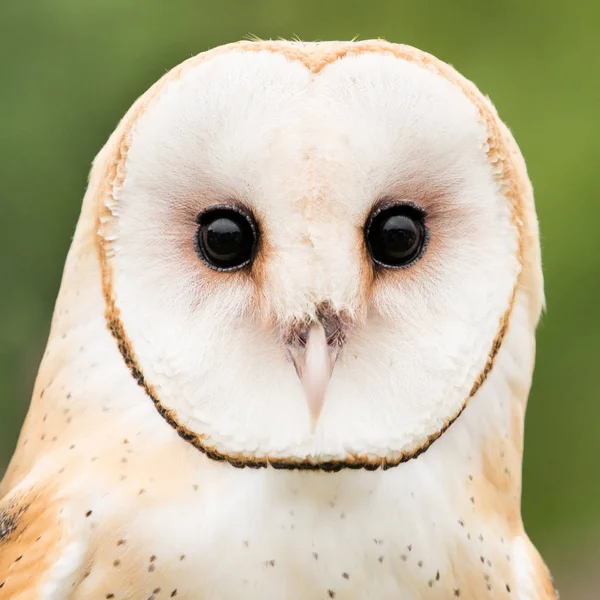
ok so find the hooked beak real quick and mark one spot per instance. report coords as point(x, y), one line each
point(314, 358)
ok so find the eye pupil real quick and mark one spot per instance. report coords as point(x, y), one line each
point(399, 235)
point(223, 239)
point(226, 239)
point(396, 236)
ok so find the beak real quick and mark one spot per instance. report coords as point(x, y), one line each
point(314, 362)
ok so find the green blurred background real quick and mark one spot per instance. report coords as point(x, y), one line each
point(71, 68)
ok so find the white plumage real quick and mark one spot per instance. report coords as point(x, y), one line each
point(163, 372)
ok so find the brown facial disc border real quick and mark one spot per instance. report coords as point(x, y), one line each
point(314, 60)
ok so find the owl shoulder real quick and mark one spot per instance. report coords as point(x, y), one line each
point(39, 552)
point(536, 580)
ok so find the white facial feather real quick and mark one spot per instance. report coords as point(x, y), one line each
point(310, 155)
point(103, 499)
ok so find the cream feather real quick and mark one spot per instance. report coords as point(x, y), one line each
point(157, 366)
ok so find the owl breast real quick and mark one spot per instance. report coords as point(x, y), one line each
point(292, 535)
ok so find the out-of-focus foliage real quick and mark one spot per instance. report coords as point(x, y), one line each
point(70, 68)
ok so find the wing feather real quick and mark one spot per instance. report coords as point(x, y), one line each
point(38, 556)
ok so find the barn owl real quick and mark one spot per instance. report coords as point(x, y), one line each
point(293, 344)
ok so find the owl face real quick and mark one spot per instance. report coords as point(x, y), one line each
point(309, 254)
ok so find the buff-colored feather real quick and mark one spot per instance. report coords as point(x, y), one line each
point(161, 376)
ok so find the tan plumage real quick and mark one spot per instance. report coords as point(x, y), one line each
point(108, 497)
point(32, 540)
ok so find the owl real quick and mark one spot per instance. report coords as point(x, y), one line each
point(293, 345)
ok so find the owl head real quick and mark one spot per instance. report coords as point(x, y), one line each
point(311, 254)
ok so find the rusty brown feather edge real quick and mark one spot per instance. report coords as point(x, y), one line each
point(112, 313)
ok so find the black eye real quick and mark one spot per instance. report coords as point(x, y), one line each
point(396, 235)
point(226, 238)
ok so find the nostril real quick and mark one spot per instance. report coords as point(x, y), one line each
point(332, 327)
point(328, 319)
point(302, 334)
point(297, 332)
point(332, 323)
point(333, 333)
